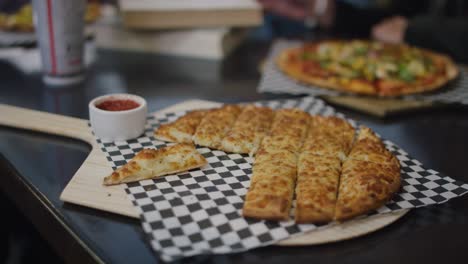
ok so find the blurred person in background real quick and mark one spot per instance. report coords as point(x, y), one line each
point(440, 25)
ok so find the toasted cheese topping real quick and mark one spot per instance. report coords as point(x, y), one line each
point(248, 131)
point(367, 133)
point(330, 123)
point(365, 186)
point(282, 164)
point(317, 187)
point(275, 168)
point(326, 131)
point(333, 176)
point(369, 147)
point(182, 129)
point(289, 127)
point(370, 177)
point(323, 145)
point(272, 186)
point(215, 125)
point(327, 143)
point(151, 163)
point(269, 199)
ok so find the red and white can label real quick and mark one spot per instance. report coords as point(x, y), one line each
point(60, 32)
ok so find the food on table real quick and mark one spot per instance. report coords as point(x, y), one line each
point(215, 125)
point(369, 147)
point(288, 129)
point(249, 129)
point(182, 129)
point(152, 163)
point(317, 187)
point(367, 67)
point(272, 185)
point(370, 176)
point(329, 136)
point(333, 175)
point(118, 105)
point(326, 145)
point(22, 20)
point(93, 11)
point(275, 168)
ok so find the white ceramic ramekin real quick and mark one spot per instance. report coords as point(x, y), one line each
point(118, 125)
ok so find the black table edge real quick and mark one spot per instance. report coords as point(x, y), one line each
point(44, 216)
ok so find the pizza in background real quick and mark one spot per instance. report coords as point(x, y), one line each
point(22, 19)
point(367, 67)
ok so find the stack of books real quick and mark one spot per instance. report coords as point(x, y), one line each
point(195, 28)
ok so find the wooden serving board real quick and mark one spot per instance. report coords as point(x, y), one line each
point(86, 189)
point(379, 107)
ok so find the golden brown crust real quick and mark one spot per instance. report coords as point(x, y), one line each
point(327, 143)
point(369, 147)
point(274, 163)
point(288, 61)
point(215, 125)
point(269, 199)
point(317, 187)
point(272, 185)
point(289, 121)
point(275, 168)
point(299, 154)
point(248, 131)
point(329, 136)
point(182, 129)
point(151, 163)
point(365, 186)
point(370, 177)
point(332, 123)
point(288, 129)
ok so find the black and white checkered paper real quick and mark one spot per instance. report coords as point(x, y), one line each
point(275, 81)
point(199, 212)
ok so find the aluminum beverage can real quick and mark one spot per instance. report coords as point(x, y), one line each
point(60, 33)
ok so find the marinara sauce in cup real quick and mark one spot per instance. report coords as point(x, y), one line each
point(117, 117)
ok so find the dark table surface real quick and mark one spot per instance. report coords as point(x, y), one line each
point(36, 167)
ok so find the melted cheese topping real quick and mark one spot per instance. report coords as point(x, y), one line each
point(326, 145)
point(298, 153)
point(365, 186)
point(182, 129)
point(150, 163)
point(272, 186)
point(316, 189)
point(368, 147)
point(370, 177)
point(289, 129)
point(215, 126)
point(275, 168)
point(329, 136)
point(249, 129)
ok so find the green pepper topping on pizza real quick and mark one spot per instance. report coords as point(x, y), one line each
point(367, 67)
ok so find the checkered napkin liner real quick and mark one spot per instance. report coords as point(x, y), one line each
point(199, 212)
point(275, 81)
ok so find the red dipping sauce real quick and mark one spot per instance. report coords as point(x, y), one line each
point(118, 105)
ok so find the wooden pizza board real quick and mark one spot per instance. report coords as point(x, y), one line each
point(383, 107)
point(86, 189)
point(379, 107)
